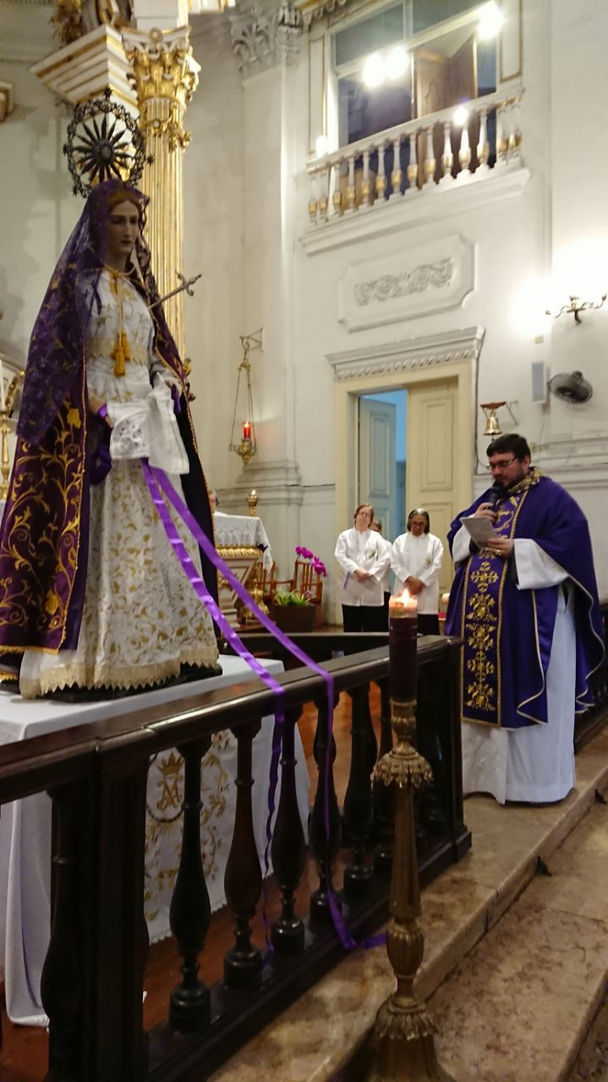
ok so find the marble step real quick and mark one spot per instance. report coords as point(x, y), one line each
point(518, 1006)
point(515, 962)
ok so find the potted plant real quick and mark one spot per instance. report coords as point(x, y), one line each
point(294, 609)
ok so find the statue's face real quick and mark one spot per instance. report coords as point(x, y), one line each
point(122, 232)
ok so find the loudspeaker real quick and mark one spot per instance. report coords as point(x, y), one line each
point(539, 381)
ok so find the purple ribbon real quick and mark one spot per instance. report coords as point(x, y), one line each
point(157, 480)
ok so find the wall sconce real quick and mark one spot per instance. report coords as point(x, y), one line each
point(575, 306)
point(492, 423)
point(243, 401)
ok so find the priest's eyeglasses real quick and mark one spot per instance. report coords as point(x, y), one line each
point(502, 465)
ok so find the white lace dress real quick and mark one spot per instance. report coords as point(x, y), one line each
point(141, 619)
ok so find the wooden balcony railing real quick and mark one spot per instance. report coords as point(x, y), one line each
point(433, 153)
point(93, 977)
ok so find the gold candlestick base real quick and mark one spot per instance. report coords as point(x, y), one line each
point(403, 1044)
point(252, 502)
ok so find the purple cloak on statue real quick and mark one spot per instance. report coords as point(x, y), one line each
point(62, 449)
point(507, 632)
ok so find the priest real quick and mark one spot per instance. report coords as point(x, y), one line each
point(526, 606)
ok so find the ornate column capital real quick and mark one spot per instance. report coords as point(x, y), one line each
point(163, 71)
point(263, 36)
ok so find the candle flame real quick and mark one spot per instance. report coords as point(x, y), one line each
point(404, 600)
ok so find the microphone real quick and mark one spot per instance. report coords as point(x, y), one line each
point(495, 494)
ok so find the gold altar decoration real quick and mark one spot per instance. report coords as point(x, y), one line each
point(403, 1046)
point(165, 76)
point(67, 20)
point(252, 503)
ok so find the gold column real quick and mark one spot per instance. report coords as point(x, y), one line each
point(165, 76)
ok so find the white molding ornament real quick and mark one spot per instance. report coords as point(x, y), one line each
point(422, 352)
point(7, 100)
point(262, 37)
point(406, 284)
point(417, 280)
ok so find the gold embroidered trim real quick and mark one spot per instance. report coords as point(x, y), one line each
point(80, 674)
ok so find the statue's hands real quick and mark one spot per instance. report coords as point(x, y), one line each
point(100, 409)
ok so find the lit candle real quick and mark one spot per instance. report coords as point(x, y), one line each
point(402, 645)
point(246, 430)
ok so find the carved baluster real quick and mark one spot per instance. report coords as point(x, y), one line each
point(430, 163)
point(350, 186)
point(313, 202)
point(483, 146)
point(447, 158)
point(381, 176)
point(337, 196)
point(190, 911)
point(464, 153)
point(513, 153)
point(358, 798)
point(383, 796)
point(412, 169)
point(396, 175)
point(365, 186)
point(501, 138)
point(325, 828)
point(325, 180)
point(288, 847)
point(61, 984)
point(243, 877)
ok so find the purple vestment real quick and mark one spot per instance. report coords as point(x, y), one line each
point(507, 632)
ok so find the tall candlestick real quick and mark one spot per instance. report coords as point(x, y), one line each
point(246, 430)
point(2, 390)
point(402, 645)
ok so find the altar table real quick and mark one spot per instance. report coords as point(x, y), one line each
point(242, 531)
point(25, 825)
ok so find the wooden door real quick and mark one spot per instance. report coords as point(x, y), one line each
point(431, 450)
point(377, 466)
point(432, 90)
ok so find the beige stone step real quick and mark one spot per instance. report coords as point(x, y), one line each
point(560, 919)
point(518, 1007)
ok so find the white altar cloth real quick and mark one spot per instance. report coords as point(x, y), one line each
point(242, 531)
point(25, 825)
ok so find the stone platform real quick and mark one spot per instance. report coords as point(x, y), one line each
point(515, 960)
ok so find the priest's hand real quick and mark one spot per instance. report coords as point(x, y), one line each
point(501, 546)
point(485, 510)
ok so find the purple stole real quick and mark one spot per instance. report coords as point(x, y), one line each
point(482, 614)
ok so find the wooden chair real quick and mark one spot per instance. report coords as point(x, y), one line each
point(306, 579)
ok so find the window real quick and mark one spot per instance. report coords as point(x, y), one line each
point(411, 59)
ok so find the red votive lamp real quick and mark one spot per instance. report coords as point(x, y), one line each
point(246, 430)
point(402, 646)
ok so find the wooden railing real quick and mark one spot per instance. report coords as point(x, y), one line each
point(93, 977)
point(432, 153)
